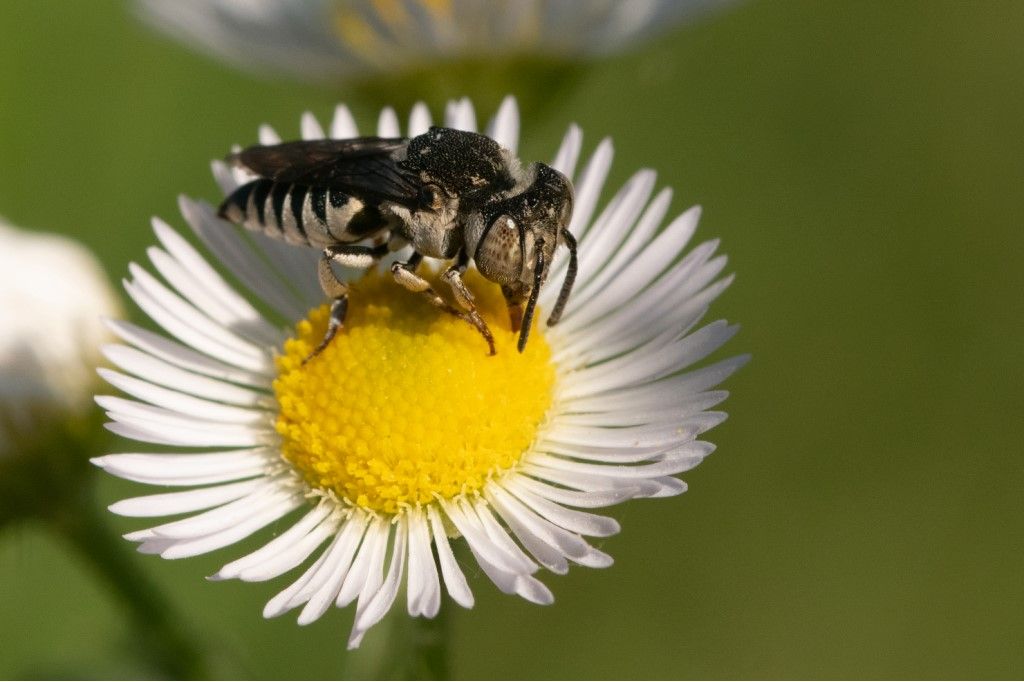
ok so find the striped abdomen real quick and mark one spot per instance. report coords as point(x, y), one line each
point(314, 216)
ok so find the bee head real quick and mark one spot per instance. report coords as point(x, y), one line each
point(518, 235)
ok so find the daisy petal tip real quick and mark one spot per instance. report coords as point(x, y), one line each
point(160, 227)
point(310, 127)
point(139, 535)
point(595, 558)
point(670, 487)
point(355, 639)
point(307, 617)
point(274, 608)
point(533, 590)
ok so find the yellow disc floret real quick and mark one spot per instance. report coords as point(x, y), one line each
point(405, 404)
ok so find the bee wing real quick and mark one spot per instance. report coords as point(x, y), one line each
point(362, 167)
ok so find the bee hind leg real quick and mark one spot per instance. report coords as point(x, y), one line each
point(350, 255)
point(405, 274)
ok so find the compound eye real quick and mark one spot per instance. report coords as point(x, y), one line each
point(498, 254)
point(430, 197)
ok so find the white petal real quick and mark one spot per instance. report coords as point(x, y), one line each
point(309, 127)
point(454, 579)
point(186, 358)
point(546, 554)
point(267, 135)
point(616, 220)
point(197, 331)
point(220, 518)
point(329, 578)
point(478, 541)
point(224, 176)
point(419, 119)
point(584, 523)
point(587, 191)
point(575, 498)
point(290, 557)
point(183, 433)
point(653, 361)
point(148, 367)
point(227, 244)
point(665, 467)
point(424, 588)
point(376, 608)
point(620, 454)
point(556, 538)
point(143, 414)
point(235, 533)
point(365, 576)
point(343, 126)
point(603, 412)
point(387, 123)
point(282, 543)
point(588, 187)
point(193, 288)
point(590, 482)
point(286, 599)
point(198, 469)
point(645, 268)
point(504, 127)
point(212, 282)
point(569, 152)
point(166, 504)
point(498, 535)
point(183, 403)
point(625, 438)
point(596, 282)
point(460, 115)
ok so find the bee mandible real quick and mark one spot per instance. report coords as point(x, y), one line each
point(451, 194)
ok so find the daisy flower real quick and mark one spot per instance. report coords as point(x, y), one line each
point(404, 439)
point(325, 39)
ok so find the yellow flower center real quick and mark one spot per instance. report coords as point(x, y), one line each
point(405, 404)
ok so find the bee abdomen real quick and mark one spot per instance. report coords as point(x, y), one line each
point(298, 214)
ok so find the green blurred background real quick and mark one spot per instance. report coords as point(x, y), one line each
point(862, 517)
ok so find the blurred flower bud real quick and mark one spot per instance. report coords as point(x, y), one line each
point(53, 294)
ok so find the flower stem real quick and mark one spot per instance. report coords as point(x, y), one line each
point(166, 642)
point(429, 644)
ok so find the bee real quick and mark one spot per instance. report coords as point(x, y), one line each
point(451, 194)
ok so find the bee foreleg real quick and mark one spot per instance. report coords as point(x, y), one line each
point(453, 277)
point(405, 274)
point(465, 298)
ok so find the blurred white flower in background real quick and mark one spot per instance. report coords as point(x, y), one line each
point(53, 294)
point(329, 39)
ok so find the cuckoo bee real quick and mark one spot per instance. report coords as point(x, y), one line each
point(451, 194)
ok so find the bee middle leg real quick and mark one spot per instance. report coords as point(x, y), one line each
point(351, 255)
point(405, 274)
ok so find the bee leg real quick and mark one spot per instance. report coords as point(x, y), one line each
point(405, 274)
point(350, 255)
point(453, 277)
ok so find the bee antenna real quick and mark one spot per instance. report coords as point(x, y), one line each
point(570, 278)
point(538, 279)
